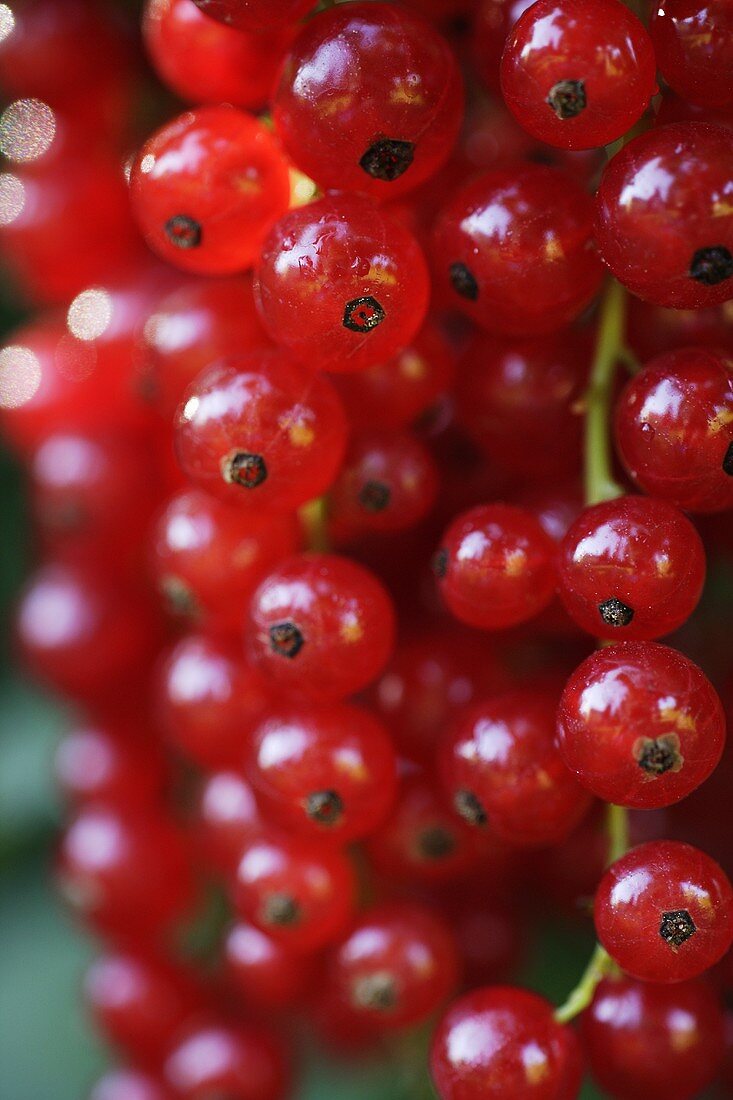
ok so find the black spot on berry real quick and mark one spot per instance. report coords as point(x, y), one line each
point(387, 159)
point(615, 613)
point(469, 808)
point(324, 807)
point(728, 461)
point(374, 496)
point(567, 98)
point(463, 281)
point(179, 598)
point(376, 991)
point(677, 927)
point(281, 910)
point(363, 314)
point(183, 231)
point(658, 755)
point(241, 468)
point(713, 265)
point(440, 564)
point(436, 842)
point(286, 640)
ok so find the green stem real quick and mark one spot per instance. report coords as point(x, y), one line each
point(600, 965)
point(314, 518)
point(599, 482)
point(617, 830)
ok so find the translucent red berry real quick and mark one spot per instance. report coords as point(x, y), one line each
point(130, 1084)
point(693, 40)
point(664, 912)
point(227, 820)
point(255, 15)
point(109, 762)
point(263, 971)
point(239, 1061)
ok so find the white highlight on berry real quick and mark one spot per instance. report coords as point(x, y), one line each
point(7, 22)
point(20, 376)
point(90, 314)
point(12, 198)
point(27, 129)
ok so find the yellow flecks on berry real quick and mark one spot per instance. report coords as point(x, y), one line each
point(299, 431)
point(553, 248)
point(721, 420)
point(536, 1068)
point(412, 365)
point(515, 563)
point(722, 208)
point(543, 780)
point(350, 763)
point(302, 189)
point(680, 719)
point(248, 183)
point(336, 105)
point(663, 565)
point(245, 553)
point(684, 1033)
point(351, 630)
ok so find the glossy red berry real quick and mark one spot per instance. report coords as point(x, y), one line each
point(255, 15)
point(513, 249)
point(396, 966)
point(578, 74)
point(495, 566)
point(209, 557)
point(261, 432)
point(660, 226)
point(631, 568)
point(370, 99)
point(693, 40)
point(124, 1084)
point(656, 1041)
point(203, 61)
point(492, 21)
point(640, 725)
point(341, 284)
point(109, 762)
point(139, 1002)
point(209, 700)
point(388, 482)
point(227, 820)
point(501, 1043)
point(664, 912)
point(297, 891)
point(263, 971)
point(321, 625)
point(206, 188)
point(500, 768)
point(328, 772)
point(241, 1062)
point(674, 429)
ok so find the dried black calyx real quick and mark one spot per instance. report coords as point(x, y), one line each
point(436, 842)
point(615, 612)
point(387, 159)
point(377, 991)
point(463, 281)
point(469, 808)
point(677, 927)
point(183, 231)
point(567, 98)
point(713, 265)
point(439, 564)
point(657, 755)
point(242, 468)
point(728, 461)
point(324, 807)
point(286, 640)
point(281, 909)
point(374, 496)
point(363, 314)
point(178, 597)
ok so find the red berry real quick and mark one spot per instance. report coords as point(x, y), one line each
point(206, 188)
point(492, 21)
point(255, 15)
point(297, 891)
point(631, 568)
point(341, 284)
point(656, 1041)
point(261, 431)
point(693, 40)
point(227, 820)
point(674, 429)
point(664, 912)
point(370, 99)
point(502, 1043)
point(241, 1062)
point(396, 966)
point(264, 972)
point(322, 625)
point(326, 772)
point(124, 1084)
point(513, 249)
point(108, 763)
point(660, 226)
point(495, 566)
point(578, 74)
point(640, 725)
point(500, 768)
point(203, 61)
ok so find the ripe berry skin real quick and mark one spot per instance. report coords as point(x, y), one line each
point(370, 100)
point(396, 966)
point(108, 763)
point(295, 761)
point(500, 768)
point(578, 74)
point(255, 15)
point(206, 188)
point(693, 40)
point(227, 820)
point(260, 431)
point(321, 625)
point(527, 270)
point(241, 1062)
point(209, 557)
point(664, 912)
point(492, 21)
point(263, 971)
point(203, 61)
point(631, 569)
point(674, 429)
point(341, 284)
point(297, 891)
point(640, 725)
point(495, 567)
point(660, 226)
point(502, 1043)
point(658, 1041)
point(130, 1084)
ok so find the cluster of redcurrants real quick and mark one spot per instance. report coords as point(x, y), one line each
point(387, 318)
